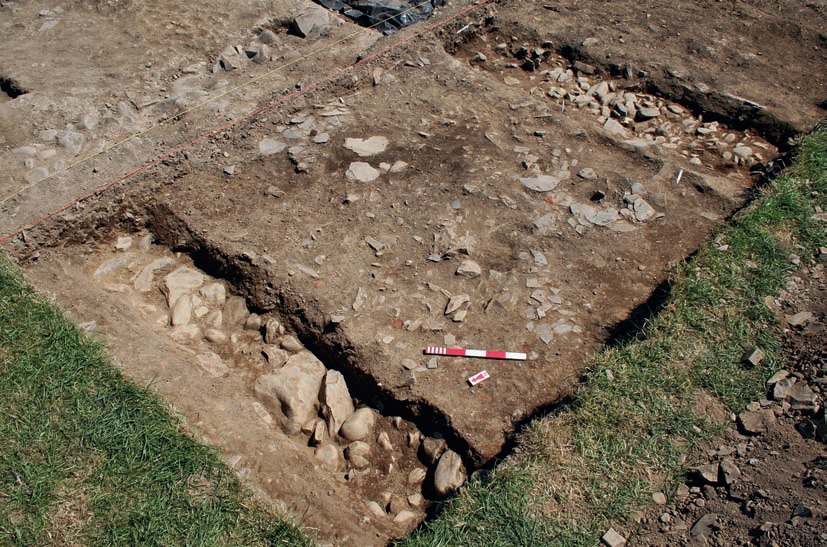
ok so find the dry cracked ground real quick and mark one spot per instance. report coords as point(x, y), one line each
point(295, 207)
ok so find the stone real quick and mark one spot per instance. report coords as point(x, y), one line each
point(258, 52)
point(730, 471)
point(71, 142)
point(643, 211)
point(449, 474)
point(235, 312)
point(376, 510)
point(183, 280)
point(469, 268)
point(545, 183)
point(329, 457)
point(456, 302)
point(214, 319)
point(362, 172)
point(432, 449)
point(587, 173)
point(384, 441)
point(311, 23)
point(273, 330)
point(614, 129)
point(253, 322)
point(291, 343)
point(123, 243)
point(268, 146)
point(181, 312)
point(781, 389)
point(799, 319)
point(707, 473)
point(612, 538)
point(754, 357)
point(359, 425)
point(583, 68)
point(417, 476)
point(293, 390)
point(756, 422)
point(659, 498)
point(216, 336)
point(215, 294)
point(743, 152)
point(274, 355)
point(357, 454)
point(802, 397)
point(405, 517)
point(185, 333)
point(212, 364)
point(267, 36)
point(143, 281)
point(337, 405)
point(644, 114)
point(777, 377)
point(416, 500)
point(113, 264)
point(705, 526)
point(367, 147)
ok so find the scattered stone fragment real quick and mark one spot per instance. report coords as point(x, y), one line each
point(376, 510)
point(235, 312)
point(212, 364)
point(545, 183)
point(311, 23)
point(269, 146)
point(644, 114)
point(359, 425)
point(802, 397)
point(409, 364)
point(707, 473)
point(273, 330)
point(275, 356)
point(113, 264)
point(456, 302)
point(71, 142)
point(614, 128)
point(469, 268)
point(449, 474)
point(756, 422)
point(214, 293)
point(659, 498)
point(322, 138)
point(123, 243)
point(705, 526)
point(337, 405)
point(362, 172)
point(643, 211)
point(743, 152)
point(777, 377)
point(367, 147)
point(781, 389)
point(293, 390)
point(416, 476)
point(587, 173)
point(432, 449)
point(799, 319)
point(730, 471)
point(754, 357)
point(612, 538)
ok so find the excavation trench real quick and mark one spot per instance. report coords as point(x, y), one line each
point(505, 206)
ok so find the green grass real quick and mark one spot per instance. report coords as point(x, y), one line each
point(637, 420)
point(88, 458)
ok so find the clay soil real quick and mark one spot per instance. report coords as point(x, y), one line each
point(575, 151)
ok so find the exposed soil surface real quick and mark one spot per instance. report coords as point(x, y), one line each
point(521, 177)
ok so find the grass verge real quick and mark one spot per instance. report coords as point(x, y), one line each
point(645, 408)
point(88, 458)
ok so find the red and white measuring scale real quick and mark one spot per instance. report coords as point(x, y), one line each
point(485, 354)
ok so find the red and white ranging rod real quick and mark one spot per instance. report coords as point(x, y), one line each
point(485, 354)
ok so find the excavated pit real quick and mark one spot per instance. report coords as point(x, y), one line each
point(523, 195)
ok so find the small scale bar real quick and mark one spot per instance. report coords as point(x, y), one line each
point(479, 377)
point(484, 354)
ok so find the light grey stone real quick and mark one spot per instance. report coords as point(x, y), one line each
point(587, 173)
point(143, 281)
point(612, 538)
point(756, 422)
point(357, 453)
point(469, 268)
point(613, 128)
point(183, 280)
point(274, 355)
point(291, 343)
point(235, 312)
point(212, 364)
point(359, 425)
point(181, 312)
point(405, 517)
point(376, 510)
point(216, 336)
point(268, 147)
point(311, 23)
point(367, 147)
point(362, 172)
point(449, 474)
point(743, 152)
point(215, 294)
point(293, 390)
point(545, 183)
point(337, 405)
point(113, 264)
point(643, 211)
point(328, 457)
point(71, 142)
point(273, 330)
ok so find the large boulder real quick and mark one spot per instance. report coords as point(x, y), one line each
point(292, 392)
point(449, 474)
